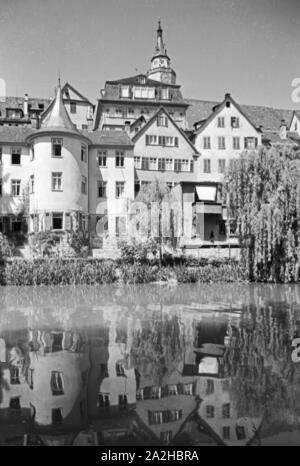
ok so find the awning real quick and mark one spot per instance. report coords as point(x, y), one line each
point(206, 193)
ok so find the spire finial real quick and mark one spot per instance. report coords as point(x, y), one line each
point(58, 77)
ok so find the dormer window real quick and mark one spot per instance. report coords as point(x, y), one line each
point(14, 113)
point(144, 93)
point(165, 93)
point(41, 106)
point(125, 91)
point(142, 80)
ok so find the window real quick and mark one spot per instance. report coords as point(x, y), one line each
point(102, 188)
point(145, 163)
point(57, 221)
point(221, 122)
point(137, 187)
point(164, 93)
point(125, 91)
point(130, 111)
point(175, 415)
point(83, 184)
point(15, 187)
point(235, 122)
point(206, 166)
point(185, 165)
point(120, 189)
point(240, 432)
point(15, 156)
point(169, 164)
point(155, 417)
point(31, 184)
point(119, 159)
point(14, 403)
point(169, 141)
point(210, 411)
point(118, 111)
point(120, 370)
point(236, 143)
point(177, 165)
point(250, 143)
point(104, 400)
point(73, 107)
point(226, 411)
point(151, 140)
point(56, 147)
point(0, 187)
point(161, 164)
point(206, 142)
point(210, 387)
point(14, 375)
point(137, 162)
point(102, 158)
point(162, 120)
point(56, 383)
point(221, 142)
point(144, 92)
point(226, 433)
point(152, 163)
point(56, 416)
point(30, 378)
point(83, 153)
point(191, 166)
point(221, 165)
point(166, 437)
point(31, 154)
point(56, 181)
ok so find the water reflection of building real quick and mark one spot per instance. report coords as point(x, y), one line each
point(86, 388)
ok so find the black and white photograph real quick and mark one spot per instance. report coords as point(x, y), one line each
point(149, 226)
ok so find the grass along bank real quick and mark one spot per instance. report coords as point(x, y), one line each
point(58, 271)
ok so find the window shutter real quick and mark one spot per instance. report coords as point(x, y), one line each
point(166, 120)
point(147, 140)
point(163, 140)
point(245, 143)
point(256, 142)
point(180, 388)
point(176, 142)
point(48, 222)
point(68, 222)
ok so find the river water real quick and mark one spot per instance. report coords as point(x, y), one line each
point(149, 365)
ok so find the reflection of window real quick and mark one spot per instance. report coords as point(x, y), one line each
point(123, 401)
point(56, 383)
point(14, 375)
point(120, 370)
point(175, 415)
point(210, 411)
point(56, 416)
point(155, 392)
point(103, 400)
point(226, 411)
point(140, 394)
point(14, 403)
point(240, 432)
point(226, 433)
point(166, 436)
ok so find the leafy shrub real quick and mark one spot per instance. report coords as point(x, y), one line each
point(137, 252)
point(139, 273)
point(6, 247)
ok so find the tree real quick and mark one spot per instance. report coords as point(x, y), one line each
point(263, 197)
point(156, 194)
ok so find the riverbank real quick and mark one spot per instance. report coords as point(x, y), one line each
point(22, 272)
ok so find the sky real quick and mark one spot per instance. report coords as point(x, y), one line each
point(249, 48)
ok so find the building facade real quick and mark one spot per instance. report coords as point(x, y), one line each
point(67, 164)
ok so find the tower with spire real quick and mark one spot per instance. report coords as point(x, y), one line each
point(160, 69)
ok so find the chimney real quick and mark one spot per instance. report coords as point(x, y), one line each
point(25, 109)
point(283, 130)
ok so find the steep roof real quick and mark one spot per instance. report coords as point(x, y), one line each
point(14, 134)
point(108, 138)
point(153, 118)
point(57, 117)
point(140, 80)
point(267, 117)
